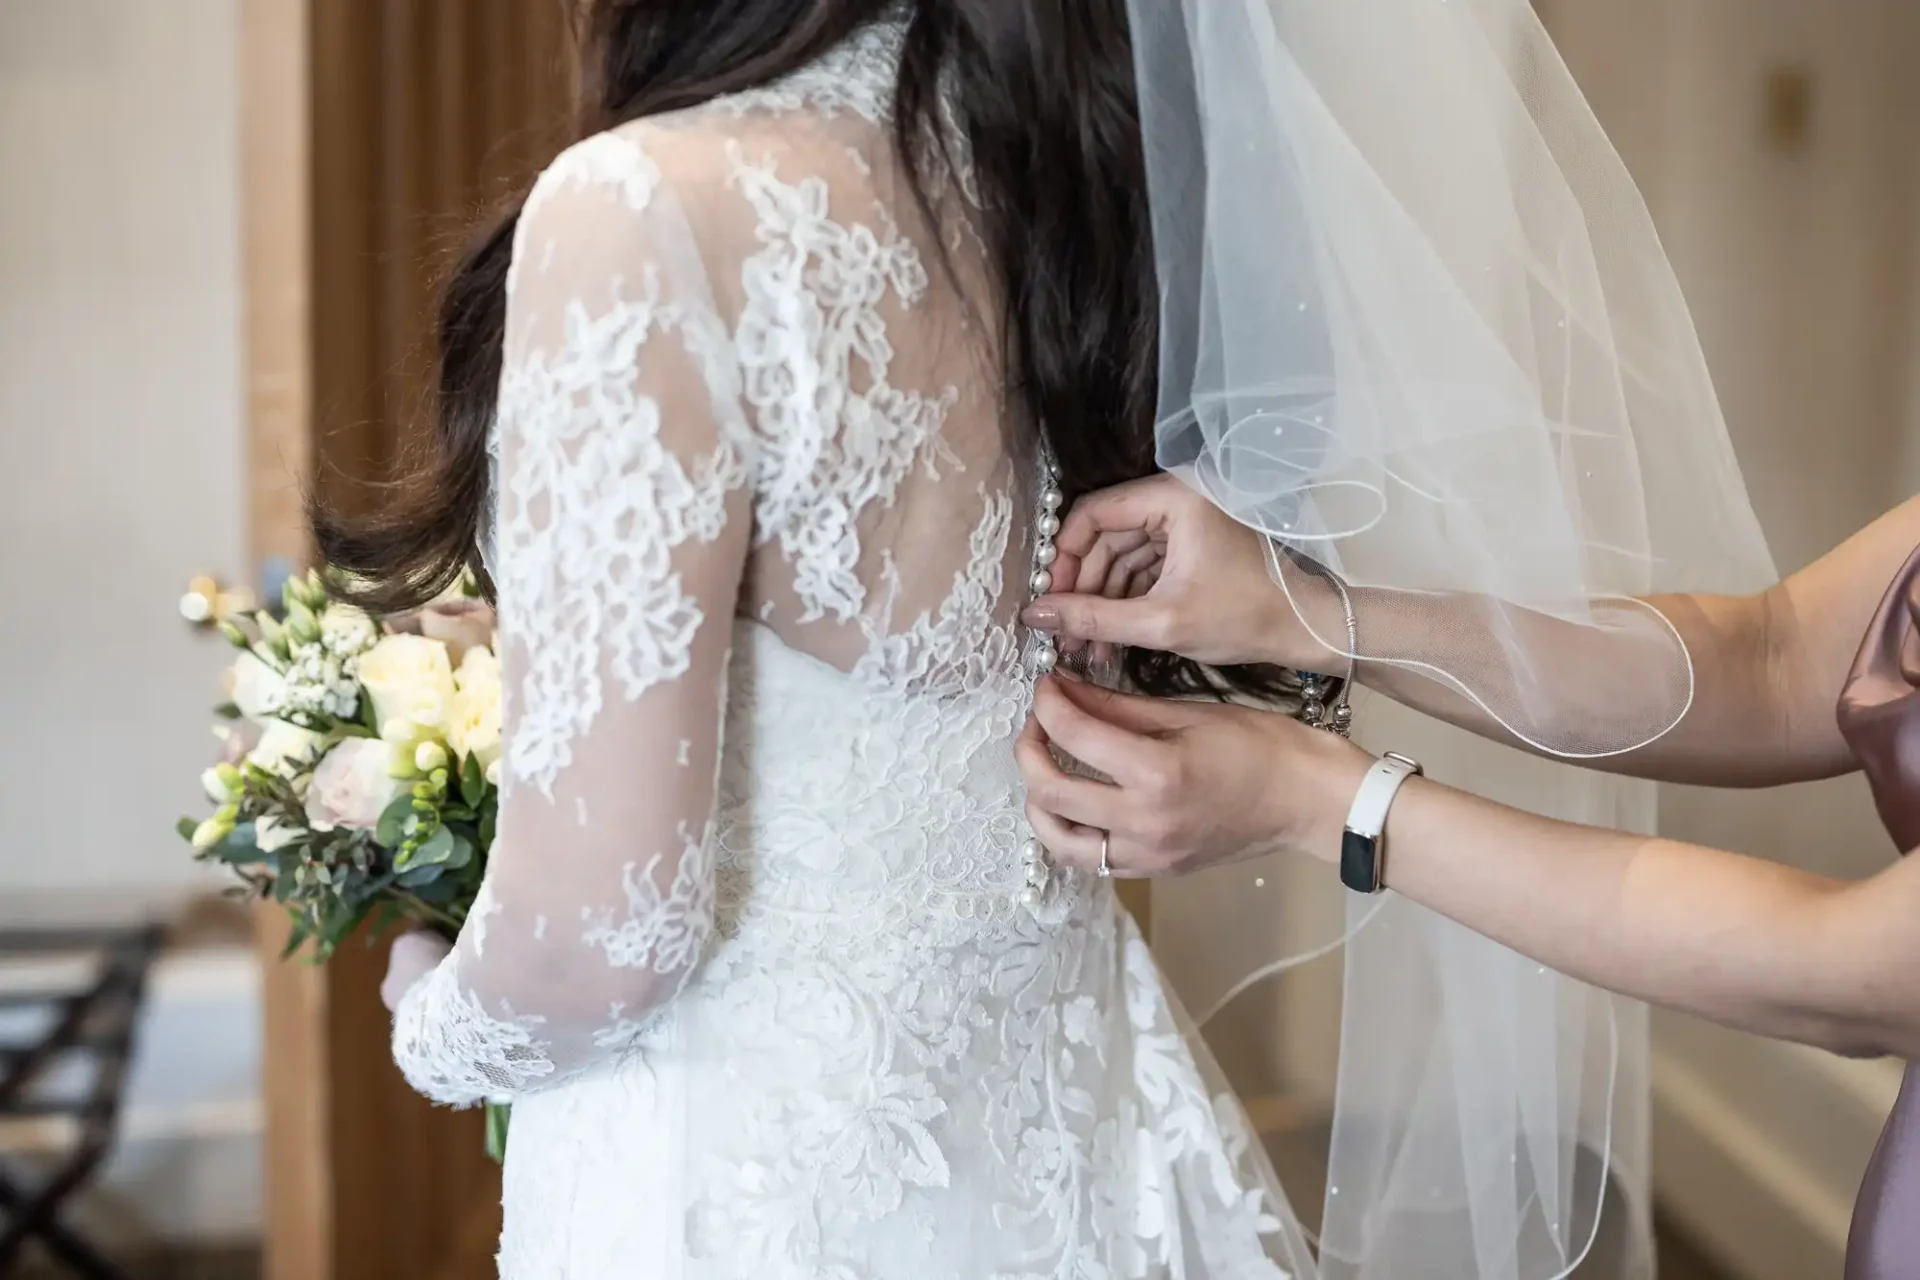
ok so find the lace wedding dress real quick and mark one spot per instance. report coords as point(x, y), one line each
point(753, 958)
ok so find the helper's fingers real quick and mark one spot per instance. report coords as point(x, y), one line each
point(1139, 504)
point(1148, 718)
point(1067, 843)
point(1127, 568)
point(1073, 845)
point(1120, 751)
point(1097, 564)
point(1142, 623)
point(1053, 789)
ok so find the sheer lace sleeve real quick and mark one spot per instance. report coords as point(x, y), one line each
point(621, 528)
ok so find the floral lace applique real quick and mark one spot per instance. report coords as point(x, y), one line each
point(755, 963)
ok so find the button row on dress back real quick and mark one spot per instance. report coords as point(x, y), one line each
point(1044, 889)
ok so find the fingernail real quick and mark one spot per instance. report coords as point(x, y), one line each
point(1041, 617)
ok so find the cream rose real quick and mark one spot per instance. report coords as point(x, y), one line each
point(283, 748)
point(258, 690)
point(473, 728)
point(353, 786)
point(410, 679)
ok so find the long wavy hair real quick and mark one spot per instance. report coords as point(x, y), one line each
point(1042, 94)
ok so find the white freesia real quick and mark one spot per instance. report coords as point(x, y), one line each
point(353, 786)
point(273, 834)
point(410, 679)
point(346, 630)
point(473, 727)
point(214, 829)
point(221, 782)
point(258, 690)
point(284, 748)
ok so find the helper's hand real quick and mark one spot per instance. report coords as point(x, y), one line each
point(1194, 784)
point(1154, 565)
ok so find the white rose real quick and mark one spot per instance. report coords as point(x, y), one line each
point(284, 748)
point(409, 678)
point(473, 727)
point(273, 834)
point(353, 786)
point(258, 690)
point(479, 663)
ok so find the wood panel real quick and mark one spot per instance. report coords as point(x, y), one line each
point(1137, 896)
point(434, 111)
point(375, 132)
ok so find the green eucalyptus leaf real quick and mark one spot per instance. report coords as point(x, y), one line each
point(419, 877)
point(473, 782)
point(437, 849)
point(391, 831)
point(238, 847)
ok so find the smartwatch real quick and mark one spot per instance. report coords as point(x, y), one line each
point(1363, 848)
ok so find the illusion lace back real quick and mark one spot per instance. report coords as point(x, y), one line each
point(752, 958)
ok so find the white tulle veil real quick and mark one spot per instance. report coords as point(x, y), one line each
point(1419, 329)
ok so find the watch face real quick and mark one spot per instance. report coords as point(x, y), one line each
point(1360, 862)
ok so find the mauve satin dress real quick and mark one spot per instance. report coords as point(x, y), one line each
point(1880, 718)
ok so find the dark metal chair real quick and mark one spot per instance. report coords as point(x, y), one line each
point(96, 1021)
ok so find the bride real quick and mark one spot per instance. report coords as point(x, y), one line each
point(762, 407)
point(760, 414)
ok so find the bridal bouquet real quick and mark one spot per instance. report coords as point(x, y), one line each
point(359, 778)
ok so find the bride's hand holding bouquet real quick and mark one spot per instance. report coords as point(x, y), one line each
point(359, 781)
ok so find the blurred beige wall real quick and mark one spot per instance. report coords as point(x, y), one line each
point(120, 403)
point(120, 478)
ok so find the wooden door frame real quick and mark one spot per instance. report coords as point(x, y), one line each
point(369, 130)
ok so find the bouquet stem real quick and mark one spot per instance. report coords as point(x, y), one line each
point(498, 1114)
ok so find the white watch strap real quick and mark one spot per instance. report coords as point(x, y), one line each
point(1368, 816)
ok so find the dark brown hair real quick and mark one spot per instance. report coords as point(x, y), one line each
point(1042, 94)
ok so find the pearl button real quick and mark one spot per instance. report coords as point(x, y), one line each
point(1046, 553)
point(1045, 659)
point(1053, 499)
point(1042, 582)
point(1049, 525)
